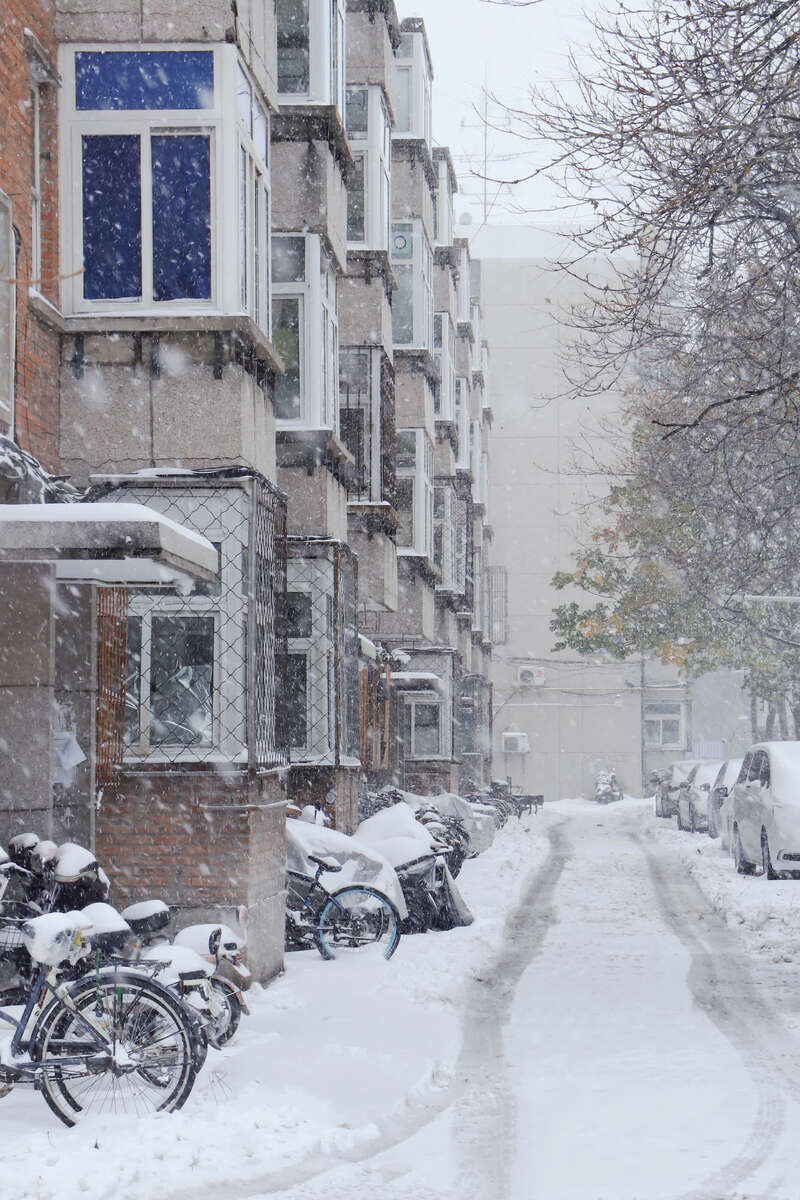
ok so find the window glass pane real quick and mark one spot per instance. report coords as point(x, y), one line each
point(181, 681)
point(243, 255)
point(293, 46)
point(244, 99)
point(404, 506)
point(288, 260)
point(356, 204)
point(356, 111)
point(296, 699)
point(135, 79)
point(112, 217)
point(652, 733)
point(403, 106)
point(403, 305)
point(133, 682)
point(181, 217)
point(670, 732)
point(298, 614)
point(8, 294)
point(261, 131)
point(406, 448)
point(426, 729)
point(286, 338)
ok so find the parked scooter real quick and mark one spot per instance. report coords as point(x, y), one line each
point(607, 788)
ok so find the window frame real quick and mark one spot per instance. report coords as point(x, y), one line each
point(423, 699)
point(327, 54)
point(664, 711)
point(420, 86)
point(227, 136)
point(373, 147)
point(420, 262)
point(444, 355)
point(422, 476)
point(319, 336)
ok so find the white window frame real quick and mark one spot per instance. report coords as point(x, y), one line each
point(462, 399)
point(425, 699)
point(327, 57)
point(661, 711)
point(8, 312)
point(36, 188)
point(411, 59)
point(227, 136)
point(255, 216)
point(421, 263)
point(447, 524)
point(319, 650)
point(444, 355)
point(319, 337)
point(463, 300)
point(422, 475)
point(444, 206)
point(375, 147)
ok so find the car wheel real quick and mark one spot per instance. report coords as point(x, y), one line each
point(692, 819)
point(766, 861)
point(659, 812)
point(678, 815)
point(743, 867)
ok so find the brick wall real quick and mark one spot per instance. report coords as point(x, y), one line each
point(37, 343)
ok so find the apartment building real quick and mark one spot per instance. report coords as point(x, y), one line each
point(255, 324)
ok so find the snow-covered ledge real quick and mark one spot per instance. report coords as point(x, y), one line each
point(104, 542)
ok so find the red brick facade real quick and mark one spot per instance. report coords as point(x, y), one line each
point(37, 344)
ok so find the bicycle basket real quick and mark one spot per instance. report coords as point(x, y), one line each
point(10, 938)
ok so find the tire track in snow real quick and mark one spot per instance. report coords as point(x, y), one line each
point(486, 1012)
point(723, 988)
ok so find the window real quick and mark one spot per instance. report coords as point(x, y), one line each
point(412, 299)
point(369, 184)
point(423, 726)
point(8, 304)
point(443, 205)
point(311, 53)
point(362, 416)
point(170, 681)
point(305, 331)
point(663, 724)
point(414, 81)
point(444, 355)
point(462, 423)
point(414, 491)
point(36, 189)
point(444, 535)
point(143, 156)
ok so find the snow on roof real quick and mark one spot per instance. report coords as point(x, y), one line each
point(416, 680)
point(784, 763)
point(44, 532)
point(31, 480)
point(367, 648)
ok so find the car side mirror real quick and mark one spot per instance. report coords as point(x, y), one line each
point(721, 791)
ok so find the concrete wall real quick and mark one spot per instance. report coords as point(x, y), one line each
point(317, 504)
point(118, 415)
point(377, 568)
point(370, 59)
point(365, 314)
point(415, 616)
point(413, 396)
point(309, 193)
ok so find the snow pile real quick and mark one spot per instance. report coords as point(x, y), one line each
point(397, 834)
point(359, 860)
point(55, 938)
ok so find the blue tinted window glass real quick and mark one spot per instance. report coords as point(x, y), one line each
point(112, 217)
point(129, 79)
point(181, 217)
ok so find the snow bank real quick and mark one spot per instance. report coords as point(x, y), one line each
point(359, 860)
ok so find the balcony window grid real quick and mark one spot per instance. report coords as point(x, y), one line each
point(444, 535)
point(363, 402)
point(146, 188)
point(444, 355)
point(322, 694)
point(204, 671)
point(305, 332)
point(369, 185)
point(311, 52)
point(414, 491)
point(498, 605)
point(412, 299)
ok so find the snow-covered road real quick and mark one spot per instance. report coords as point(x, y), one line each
point(602, 1032)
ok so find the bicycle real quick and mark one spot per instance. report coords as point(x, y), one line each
point(112, 1041)
point(354, 918)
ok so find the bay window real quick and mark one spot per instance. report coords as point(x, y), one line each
point(414, 84)
point(364, 378)
point(444, 535)
point(414, 491)
point(462, 423)
point(369, 184)
point(311, 52)
point(305, 331)
point(169, 681)
point(444, 355)
point(151, 142)
point(412, 299)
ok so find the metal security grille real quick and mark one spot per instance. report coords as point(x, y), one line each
point(205, 663)
point(475, 728)
point(112, 649)
point(322, 665)
point(366, 420)
point(497, 580)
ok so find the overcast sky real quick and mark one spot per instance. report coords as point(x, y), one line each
point(509, 47)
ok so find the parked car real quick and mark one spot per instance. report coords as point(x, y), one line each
point(693, 796)
point(669, 784)
point(764, 811)
point(718, 826)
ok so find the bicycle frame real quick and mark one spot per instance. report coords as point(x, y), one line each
point(29, 1071)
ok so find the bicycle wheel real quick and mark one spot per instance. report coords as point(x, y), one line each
point(357, 919)
point(151, 1066)
point(226, 1022)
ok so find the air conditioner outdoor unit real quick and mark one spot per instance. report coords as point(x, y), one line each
point(530, 676)
point(515, 743)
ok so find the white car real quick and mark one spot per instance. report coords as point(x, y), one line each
point(718, 823)
point(693, 796)
point(763, 811)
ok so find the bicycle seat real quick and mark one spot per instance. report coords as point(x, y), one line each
point(325, 864)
